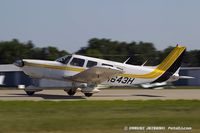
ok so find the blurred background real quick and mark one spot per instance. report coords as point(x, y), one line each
point(113, 30)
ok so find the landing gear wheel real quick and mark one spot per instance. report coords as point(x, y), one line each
point(30, 93)
point(71, 92)
point(88, 94)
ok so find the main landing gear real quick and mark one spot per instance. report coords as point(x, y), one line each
point(30, 93)
point(88, 94)
point(72, 92)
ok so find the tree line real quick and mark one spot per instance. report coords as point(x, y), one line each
point(139, 52)
point(13, 50)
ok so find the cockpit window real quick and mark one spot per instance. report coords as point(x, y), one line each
point(77, 62)
point(64, 59)
point(91, 64)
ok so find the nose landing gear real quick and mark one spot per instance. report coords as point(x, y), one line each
point(88, 94)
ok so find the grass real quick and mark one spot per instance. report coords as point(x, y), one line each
point(96, 116)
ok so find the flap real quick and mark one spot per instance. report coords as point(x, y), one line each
point(95, 75)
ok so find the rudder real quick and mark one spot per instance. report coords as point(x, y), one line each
point(171, 63)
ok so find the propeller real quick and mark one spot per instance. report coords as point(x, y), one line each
point(19, 63)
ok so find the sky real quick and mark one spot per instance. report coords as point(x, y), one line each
point(69, 24)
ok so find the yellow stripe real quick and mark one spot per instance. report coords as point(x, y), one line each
point(168, 61)
point(55, 67)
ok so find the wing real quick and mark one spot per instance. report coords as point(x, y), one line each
point(95, 75)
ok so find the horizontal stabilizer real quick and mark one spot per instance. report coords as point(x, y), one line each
point(186, 77)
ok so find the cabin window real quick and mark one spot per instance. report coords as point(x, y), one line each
point(91, 63)
point(107, 65)
point(64, 59)
point(77, 62)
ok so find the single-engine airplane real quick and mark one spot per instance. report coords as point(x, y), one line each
point(91, 74)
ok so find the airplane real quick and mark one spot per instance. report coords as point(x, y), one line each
point(91, 74)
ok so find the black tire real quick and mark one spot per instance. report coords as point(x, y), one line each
point(30, 93)
point(88, 94)
point(71, 92)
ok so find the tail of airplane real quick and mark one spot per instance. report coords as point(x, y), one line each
point(171, 63)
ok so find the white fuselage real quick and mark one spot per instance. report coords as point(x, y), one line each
point(59, 71)
point(91, 74)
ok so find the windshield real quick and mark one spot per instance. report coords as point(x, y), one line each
point(64, 59)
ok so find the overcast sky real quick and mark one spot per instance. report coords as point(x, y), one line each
point(69, 24)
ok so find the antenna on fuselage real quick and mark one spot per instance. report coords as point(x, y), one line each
point(144, 63)
point(126, 60)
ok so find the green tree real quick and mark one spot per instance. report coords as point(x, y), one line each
point(12, 50)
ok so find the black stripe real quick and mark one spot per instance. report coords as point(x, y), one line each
point(172, 69)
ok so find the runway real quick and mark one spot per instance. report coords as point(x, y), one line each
point(106, 94)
